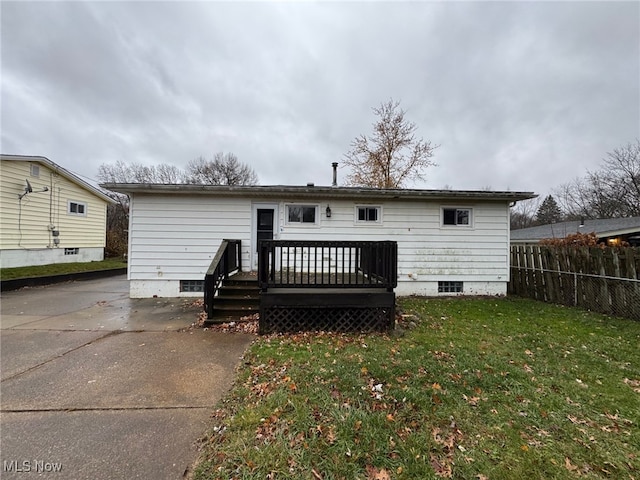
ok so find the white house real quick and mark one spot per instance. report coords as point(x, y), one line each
point(449, 242)
point(48, 214)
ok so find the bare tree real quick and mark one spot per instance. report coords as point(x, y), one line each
point(121, 172)
point(523, 213)
point(610, 192)
point(392, 155)
point(224, 169)
point(575, 198)
point(118, 213)
point(620, 179)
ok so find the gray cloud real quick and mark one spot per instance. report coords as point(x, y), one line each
point(519, 95)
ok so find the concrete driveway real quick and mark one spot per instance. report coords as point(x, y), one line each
point(95, 385)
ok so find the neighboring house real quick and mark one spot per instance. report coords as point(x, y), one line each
point(448, 241)
point(611, 230)
point(48, 214)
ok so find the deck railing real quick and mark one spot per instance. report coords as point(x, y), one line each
point(327, 264)
point(226, 261)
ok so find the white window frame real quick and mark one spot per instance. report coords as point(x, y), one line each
point(77, 204)
point(378, 220)
point(456, 225)
point(302, 223)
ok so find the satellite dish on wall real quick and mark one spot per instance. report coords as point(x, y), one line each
point(29, 189)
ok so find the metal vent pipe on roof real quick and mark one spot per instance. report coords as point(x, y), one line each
point(335, 174)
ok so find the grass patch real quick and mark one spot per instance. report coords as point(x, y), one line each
point(473, 389)
point(60, 268)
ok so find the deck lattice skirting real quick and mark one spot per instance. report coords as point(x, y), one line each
point(335, 286)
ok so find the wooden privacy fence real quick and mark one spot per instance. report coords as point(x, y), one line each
point(602, 280)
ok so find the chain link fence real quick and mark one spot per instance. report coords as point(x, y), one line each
point(603, 294)
point(601, 281)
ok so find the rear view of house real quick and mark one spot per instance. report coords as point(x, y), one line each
point(448, 242)
point(48, 214)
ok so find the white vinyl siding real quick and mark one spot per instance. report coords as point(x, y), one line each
point(175, 237)
point(424, 248)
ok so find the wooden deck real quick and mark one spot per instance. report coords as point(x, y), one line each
point(309, 285)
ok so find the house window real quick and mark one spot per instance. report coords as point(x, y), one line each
point(192, 285)
point(35, 170)
point(368, 214)
point(450, 287)
point(71, 251)
point(456, 216)
point(302, 213)
point(77, 208)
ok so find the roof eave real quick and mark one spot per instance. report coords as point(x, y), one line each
point(314, 192)
point(62, 171)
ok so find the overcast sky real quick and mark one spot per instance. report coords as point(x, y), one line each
point(520, 96)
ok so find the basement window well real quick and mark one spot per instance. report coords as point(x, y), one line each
point(450, 287)
point(192, 286)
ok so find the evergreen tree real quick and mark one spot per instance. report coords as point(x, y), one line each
point(549, 211)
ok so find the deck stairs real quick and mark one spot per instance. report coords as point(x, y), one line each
point(238, 297)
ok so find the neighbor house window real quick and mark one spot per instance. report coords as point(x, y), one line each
point(71, 251)
point(456, 216)
point(302, 213)
point(192, 285)
point(368, 214)
point(450, 287)
point(35, 170)
point(77, 208)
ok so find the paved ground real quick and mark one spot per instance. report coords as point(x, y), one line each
point(103, 386)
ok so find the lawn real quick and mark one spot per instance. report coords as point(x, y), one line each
point(469, 388)
point(60, 268)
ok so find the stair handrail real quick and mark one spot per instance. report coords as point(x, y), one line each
point(227, 260)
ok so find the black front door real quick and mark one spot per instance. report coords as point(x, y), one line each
point(264, 229)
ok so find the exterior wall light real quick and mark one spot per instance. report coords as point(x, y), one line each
point(328, 211)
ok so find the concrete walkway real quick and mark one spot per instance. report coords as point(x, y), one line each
point(100, 386)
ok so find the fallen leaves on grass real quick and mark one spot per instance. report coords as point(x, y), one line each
point(374, 473)
point(634, 384)
point(448, 439)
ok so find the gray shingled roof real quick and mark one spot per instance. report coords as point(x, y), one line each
point(604, 227)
